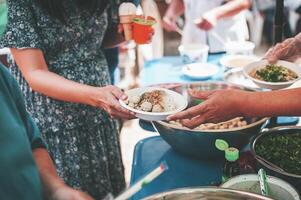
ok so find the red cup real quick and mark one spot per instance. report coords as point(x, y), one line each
point(142, 29)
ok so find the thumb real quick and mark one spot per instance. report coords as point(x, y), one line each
point(201, 94)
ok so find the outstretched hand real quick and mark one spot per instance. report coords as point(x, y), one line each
point(219, 105)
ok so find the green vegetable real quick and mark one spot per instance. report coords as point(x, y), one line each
point(275, 73)
point(283, 150)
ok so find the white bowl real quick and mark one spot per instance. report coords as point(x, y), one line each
point(240, 47)
point(194, 52)
point(179, 101)
point(200, 70)
point(237, 61)
point(271, 85)
point(278, 189)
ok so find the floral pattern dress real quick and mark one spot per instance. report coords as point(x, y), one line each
point(83, 141)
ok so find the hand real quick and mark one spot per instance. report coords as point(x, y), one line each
point(107, 99)
point(289, 49)
point(170, 23)
point(67, 193)
point(207, 21)
point(219, 105)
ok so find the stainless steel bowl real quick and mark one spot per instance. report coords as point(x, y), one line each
point(200, 143)
point(206, 193)
point(274, 170)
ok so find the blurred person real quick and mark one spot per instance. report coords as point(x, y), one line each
point(59, 64)
point(221, 105)
point(212, 22)
point(26, 169)
point(267, 10)
point(112, 54)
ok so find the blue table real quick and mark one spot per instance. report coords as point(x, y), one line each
point(168, 70)
point(182, 171)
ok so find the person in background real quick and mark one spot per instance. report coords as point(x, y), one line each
point(267, 10)
point(26, 169)
point(221, 105)
point(58, 62)
point(212, 22)
point(112, 54)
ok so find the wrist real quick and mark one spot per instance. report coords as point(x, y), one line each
point(91, 96)
point(243, 102)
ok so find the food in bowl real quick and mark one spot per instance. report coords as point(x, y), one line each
point(152, 101)
point(230, 124)
point(283, 150)
point(274, 73)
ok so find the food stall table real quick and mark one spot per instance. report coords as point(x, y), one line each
point(182, 171)
point(169, 70)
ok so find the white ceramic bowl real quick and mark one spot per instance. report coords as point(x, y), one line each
point(194, 53)
point(278, 189)
point(200, 71)
point(240, 47)
point(179, 101)
point(271, 85)
point(237, 61)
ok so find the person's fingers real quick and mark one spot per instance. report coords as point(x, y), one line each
point(201, 94)
point(188, 114)
point(118, 115)
point(118, 93)
point(194, 122)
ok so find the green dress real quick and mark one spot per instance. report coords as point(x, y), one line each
point(18, 136)
point(83, 141)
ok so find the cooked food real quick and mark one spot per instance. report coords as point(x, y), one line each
point(274, 73)
point(154, 101)
point(283, 150)
point(233, 123)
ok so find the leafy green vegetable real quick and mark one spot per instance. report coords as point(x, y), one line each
point(283, 150)
point(275, 73)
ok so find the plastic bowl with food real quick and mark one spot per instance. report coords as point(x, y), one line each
point(200, 71)
point(273, 76)
point(278, 189)
point(154, 104)
point(237, 61)
point(200, 142)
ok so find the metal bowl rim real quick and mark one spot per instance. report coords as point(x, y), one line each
point(225, 131)
point(196, 189)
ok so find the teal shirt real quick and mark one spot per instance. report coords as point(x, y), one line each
point(19, 178)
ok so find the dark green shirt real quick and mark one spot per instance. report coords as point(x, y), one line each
point(19, 178)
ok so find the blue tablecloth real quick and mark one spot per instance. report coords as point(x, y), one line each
point(169, 70)
point(182, 171)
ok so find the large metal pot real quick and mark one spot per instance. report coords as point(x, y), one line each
point(272, 169)
point(206, 193)
point(200, 143)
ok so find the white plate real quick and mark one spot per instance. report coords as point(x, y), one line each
point(271, 85)
point(200, 70)
point(179, 101)
point(236, 61)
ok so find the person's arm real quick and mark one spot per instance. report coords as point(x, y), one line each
point(222, 105)
point(174, 10)
point(210, 18)
point(53, 187)
point(34, 69)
